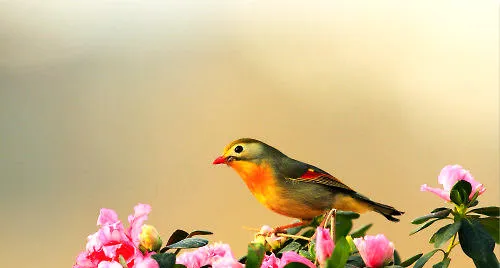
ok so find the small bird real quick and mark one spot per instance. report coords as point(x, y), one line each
point(293, 188)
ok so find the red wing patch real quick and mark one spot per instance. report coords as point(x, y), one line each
point(322, 178)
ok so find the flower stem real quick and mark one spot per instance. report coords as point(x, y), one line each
point(450, 247)
point(294, 236)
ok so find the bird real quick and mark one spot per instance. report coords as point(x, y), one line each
point(293, 188)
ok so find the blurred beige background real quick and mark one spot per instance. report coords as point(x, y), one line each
point(107, 104)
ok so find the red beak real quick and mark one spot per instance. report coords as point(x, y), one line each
point(219, 160)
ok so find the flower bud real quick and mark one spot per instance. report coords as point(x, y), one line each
point(149, 239)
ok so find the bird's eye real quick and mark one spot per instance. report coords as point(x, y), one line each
point(238, 149)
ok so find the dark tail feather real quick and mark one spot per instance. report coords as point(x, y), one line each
point(387, 211)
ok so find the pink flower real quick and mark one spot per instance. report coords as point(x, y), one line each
point(375, 250)
point(216, 255)
point(270, 261)
point(448, 177)
point(324, 245)
point(105, 247)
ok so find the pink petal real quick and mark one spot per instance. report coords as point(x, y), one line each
point(136, 221)
point(292, 256)
point(109, 264)
point(270, 261)
point(107, 216)
point(324, 245)
point(375, 250)
point(145, 261)
point(439, 192)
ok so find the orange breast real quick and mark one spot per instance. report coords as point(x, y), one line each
point(259, 180)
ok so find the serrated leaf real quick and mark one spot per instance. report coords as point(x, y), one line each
point(164, 260)
point(441, 214)
point(411, 260)
point(477, 243)
point(423, 260)
point(460, 192)
point(423, 226)
point(293, 246)
point(192, 242)
point(295, 265)
point(340, 254)
point(177, 236)
point(444, 234)
point(360, 232)
point(491, 225)
point(255, 255)
point(199, 232)
point(442, 264)
point(488, 211)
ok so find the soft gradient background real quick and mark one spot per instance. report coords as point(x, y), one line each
point(111, 103)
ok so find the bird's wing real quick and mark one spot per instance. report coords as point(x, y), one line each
point(318, 176)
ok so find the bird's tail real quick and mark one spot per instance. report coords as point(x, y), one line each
point(387, 211)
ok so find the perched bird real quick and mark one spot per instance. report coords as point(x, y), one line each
point(293, 188)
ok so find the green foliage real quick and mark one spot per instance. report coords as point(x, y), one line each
point(255, 255)
point(343, 223)
point(460, 192)
point(361, 231)
point(423, 226)
point(488, 211)
point(477, 243)
point(491, 225)
point(165, 260)
point(411, 260)
point(340, 254)
point(440, 214)
point(442, 264)
point(423, 260)
point(191, 242)
point(444, 234)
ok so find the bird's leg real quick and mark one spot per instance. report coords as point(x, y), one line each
point(282, 229)
point(328, 215)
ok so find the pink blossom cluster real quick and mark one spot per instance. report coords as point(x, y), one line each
point(448, 177)
point(113, 244)
point(216, 255)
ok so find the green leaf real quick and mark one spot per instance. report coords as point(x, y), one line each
point(177, 236)
point(199, 232)
point(178, 266)
point(473, 203)
point(491, 225)
point(361, 231)
point(340, 254)
point(306, 254)
point(477, 243)
point(441, 214)
point(355, 260)
point(488, 211)
point(293, 246)
point(192, 242)
point(438, 209)
point(348, 214)
point(255, 255)
point(445, 233)
point(422, 260)
point(423, 226)
point(411, 260)
point(164, 260)
point(343, 225)
point(397, 258)
point(296, 265)
point(442, 264)
point(460, 192)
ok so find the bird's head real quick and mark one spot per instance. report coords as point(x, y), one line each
point(245, 150)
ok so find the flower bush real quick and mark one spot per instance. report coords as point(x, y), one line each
point(328, 241)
